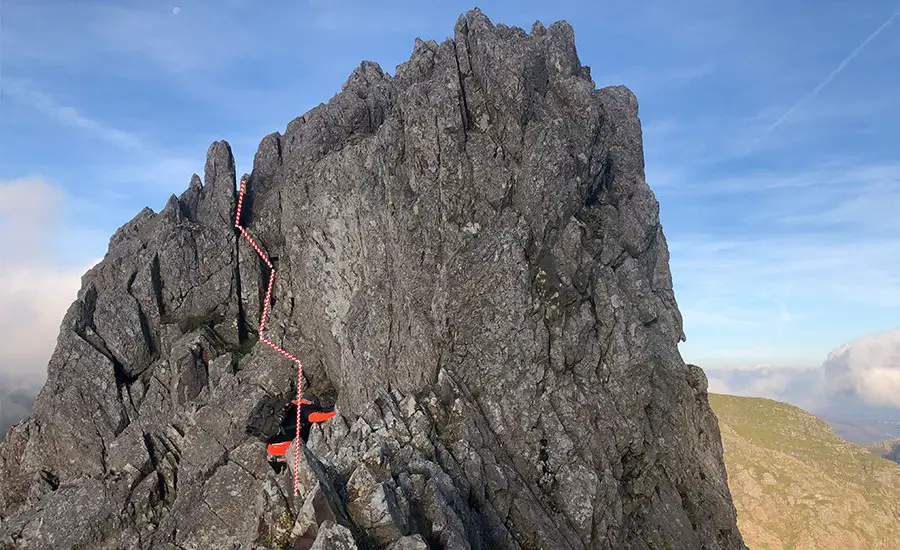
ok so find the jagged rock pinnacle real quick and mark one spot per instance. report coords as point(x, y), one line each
point(470, 264)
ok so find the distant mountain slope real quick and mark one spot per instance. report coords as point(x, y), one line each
point(863, 431)
point(16, 401)
point(797, 485)
point(887, 449)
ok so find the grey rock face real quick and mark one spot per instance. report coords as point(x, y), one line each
point(469, 261)
point(412, 542)
point(334, 537)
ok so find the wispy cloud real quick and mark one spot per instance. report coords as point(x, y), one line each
point(67, 115)
point(837, 202)
point(831, 76)
point(143, 162)
point(800, 249)
point(862, 272)
point(793, 385)
point(836, 173)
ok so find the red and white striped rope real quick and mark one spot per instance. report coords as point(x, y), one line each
point(262, 326)
point(297, 437)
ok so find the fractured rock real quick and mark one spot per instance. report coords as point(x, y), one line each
point(334, 537)
point(470, 262)
point(412, 542)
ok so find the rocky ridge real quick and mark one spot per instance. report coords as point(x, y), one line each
point(471, 265)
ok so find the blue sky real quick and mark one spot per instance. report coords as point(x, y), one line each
point(770, 131)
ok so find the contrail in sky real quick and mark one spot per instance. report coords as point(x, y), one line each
point(843, 65)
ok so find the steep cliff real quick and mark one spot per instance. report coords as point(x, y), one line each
point(471, 265)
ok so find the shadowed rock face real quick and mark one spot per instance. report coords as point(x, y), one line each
point(469, 261)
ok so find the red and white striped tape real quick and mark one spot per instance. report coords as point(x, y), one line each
point(262, 326)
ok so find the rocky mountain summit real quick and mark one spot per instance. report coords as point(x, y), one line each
point(471, 266)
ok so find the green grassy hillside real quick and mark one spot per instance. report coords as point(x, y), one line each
point(798, 486)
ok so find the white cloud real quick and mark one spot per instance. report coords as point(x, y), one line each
point(717, 385)
point(880, 385)
point(29, 204)
point(34, 301)
point(773, 384)
point(753, 368)
point(783, 384)
point(868, 366)
point(35, 291)
point(861, 375)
